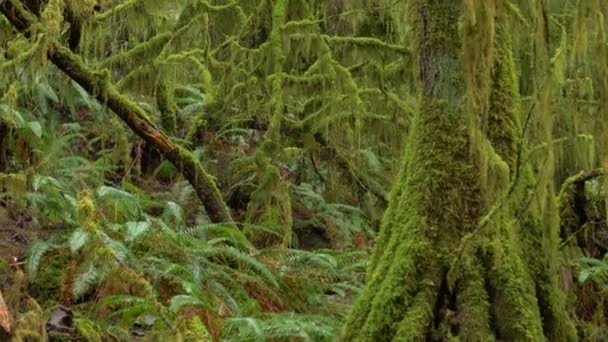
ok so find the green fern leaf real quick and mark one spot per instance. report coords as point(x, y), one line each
point(135, 229)
point(78, 239)
point(84, 281)
point(34, 255)
point(35, 128)
point(243, 260)
point(119, 250)
point(174, 214)
point(178, 302)
point(246, 328)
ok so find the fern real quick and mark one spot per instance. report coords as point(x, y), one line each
point(116, 248)
point(51, 198)
point(123, 205)
point(242, 260)
point(345, 220)
point(78, 239)
point(174, 214)
point(220, 234)
point(593, 270)
point(281, 326)
point(84, 281)
point(135, 229)
point(178, 302)
point(88, 329)
point(127, 308)
point(34, 256)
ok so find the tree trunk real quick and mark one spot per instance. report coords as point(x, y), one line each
point(449, 259)
point(98, 83)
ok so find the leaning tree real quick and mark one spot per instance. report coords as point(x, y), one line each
point(468, 245)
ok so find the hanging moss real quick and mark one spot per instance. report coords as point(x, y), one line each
point(167, 107)
point(143, 50)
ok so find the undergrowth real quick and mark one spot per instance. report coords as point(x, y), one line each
point(126, 262)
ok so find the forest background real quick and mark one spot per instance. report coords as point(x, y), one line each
point(205, 170)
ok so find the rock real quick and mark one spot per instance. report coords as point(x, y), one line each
point(61, 321)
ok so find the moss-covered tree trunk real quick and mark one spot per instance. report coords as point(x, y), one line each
point(453, 256)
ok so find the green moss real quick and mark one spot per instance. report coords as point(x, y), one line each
point(167, 107)
point(145, 50)
point(4, 265)
point(30, 323)
point(196, 330)
point(473, 303)
point(50, 278)
point(203, 183)
point(419, 317)
point(516, 311)
point(88, 330)
point(503, 115)
point(409, 261)
point(418, 228)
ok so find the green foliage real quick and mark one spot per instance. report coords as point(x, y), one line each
point(139, 265)
point(341, 222)
point(299, 110)
point(593, 270)
point(281, 327)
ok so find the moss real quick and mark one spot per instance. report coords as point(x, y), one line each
point(52, 18)
point(4, 265)
point(49, 280)
point(15, 184)
point(203, 183)
point(419, 317)
point(167, 107)
point(86, 210)
point(409, 261)
point(195, 330)
point(538, 234)
point(515, 308)
point(414, 232)
point(147, 49)
point(88, 329)
point(473, 316)
point(368, 43)
point(503, 115)
point(30, 323)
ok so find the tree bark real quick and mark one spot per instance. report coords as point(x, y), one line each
point(98, 84)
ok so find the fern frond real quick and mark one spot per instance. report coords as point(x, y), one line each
point(78, 239)
point(135, 229)
point(128, 307)
point(34, 255)
point(242, 260)
point(216, 232)
point(86, 280)
point(180, 301)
